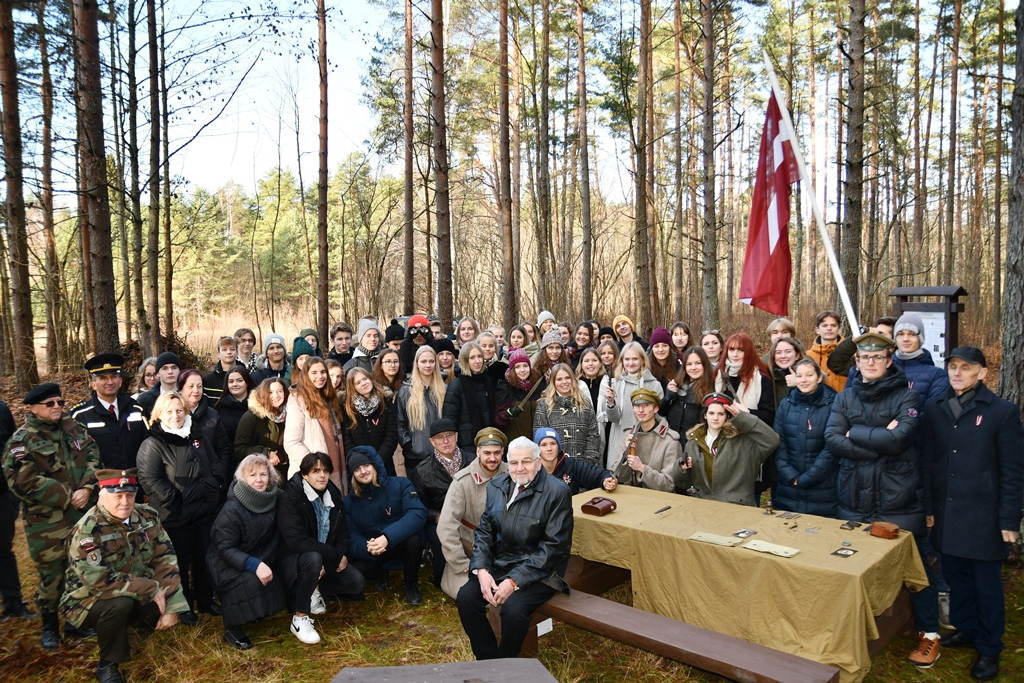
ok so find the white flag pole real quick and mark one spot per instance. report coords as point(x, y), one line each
point(806, 180)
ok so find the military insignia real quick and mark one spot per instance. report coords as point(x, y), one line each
point(977, 420)
point(93, 558)
point(912, 412)
point(195, 444)
point(477, 478)
point(18, 451)
point(87, 544)
point(567, 479)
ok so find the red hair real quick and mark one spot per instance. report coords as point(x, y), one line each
point(752, 364)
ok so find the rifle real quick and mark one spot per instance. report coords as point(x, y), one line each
point(630, 444)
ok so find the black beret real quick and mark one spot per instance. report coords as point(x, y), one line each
point(40, 393)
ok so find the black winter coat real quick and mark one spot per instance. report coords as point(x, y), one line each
point(379, 431)
point(296, 521)
point(216, 435)
point(579, 475)
point(432, 481)
point(238, 535)
point(879, 473)
point(7, 429)
point(807, 471)
point(682, 412)
point(530, 541)
point(230, 410)
point(975, 474)
point(177, 474)
point(470, 403)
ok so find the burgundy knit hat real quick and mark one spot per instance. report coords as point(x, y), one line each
point(660, 336)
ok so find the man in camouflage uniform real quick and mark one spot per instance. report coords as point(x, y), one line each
point(50, 463)
point(122, 573)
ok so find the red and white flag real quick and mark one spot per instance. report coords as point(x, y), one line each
point(767, 267)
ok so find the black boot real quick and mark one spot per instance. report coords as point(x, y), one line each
point(51, 631)
point(107, 672)
point(73, 633)
point(18, 610)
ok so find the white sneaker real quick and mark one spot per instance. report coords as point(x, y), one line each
point(316, 603)
point(303, 629)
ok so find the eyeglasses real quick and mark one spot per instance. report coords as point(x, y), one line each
point(390, 362)
point(870, 360)
point(54, 402)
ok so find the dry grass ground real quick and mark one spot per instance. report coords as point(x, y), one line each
point(384, 631)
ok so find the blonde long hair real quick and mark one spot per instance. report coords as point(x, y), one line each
point(416, 408)
point(639, 350)
point(578, 399)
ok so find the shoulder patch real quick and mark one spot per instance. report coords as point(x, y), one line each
point(18, 451)
point(93, 558)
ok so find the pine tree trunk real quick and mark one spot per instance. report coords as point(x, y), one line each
point(25, 369)
point(642, 263)
point(141, 315)
point(442, 202)
point(853, 208)
point(588, 236)
point(951, 193)
point(153, 243)
point(54, 347)
point(510, 303)
point(165, 118)
point(997, 219)
point(710, 255)
point(408, 254)
point(117, 106)
point(678, 160)
point(321, 205)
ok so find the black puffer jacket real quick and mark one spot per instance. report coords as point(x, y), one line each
point(216, 435)
point(239, 541)
point(432, 481)
point(682, 412)
point(470, 402)
point(177, 474)
point(379, 431)
point(296, 521)
point(879, 473)
point(530, 541)
point(802, 456)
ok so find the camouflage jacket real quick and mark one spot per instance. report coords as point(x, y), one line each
point(109, 558)
point(45, 462)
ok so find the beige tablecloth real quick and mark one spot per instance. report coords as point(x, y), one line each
point(815, 605)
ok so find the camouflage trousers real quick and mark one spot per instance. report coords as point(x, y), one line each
point(46, 547)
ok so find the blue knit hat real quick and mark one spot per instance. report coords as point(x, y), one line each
point(301, 347)
point(544, 433)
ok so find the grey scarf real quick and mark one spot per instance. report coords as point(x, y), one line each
point(257, 502)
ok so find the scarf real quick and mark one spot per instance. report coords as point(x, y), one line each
point(372, 355)
point(257, 502)
point(365, 406)
point(322, 504)
point(450, 465)
point(913, 354)
point(334, 450)
point(958, 403)
point(512, 378)
point(181, 432)
point(748, 394)
point(279, 418)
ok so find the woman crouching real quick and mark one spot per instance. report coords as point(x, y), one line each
point(244, 547)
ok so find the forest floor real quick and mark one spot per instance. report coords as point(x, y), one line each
point(384, 631)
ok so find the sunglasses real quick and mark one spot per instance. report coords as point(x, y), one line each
point(704, 332)
point(54, 402)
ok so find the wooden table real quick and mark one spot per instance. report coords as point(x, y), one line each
point(814, 605)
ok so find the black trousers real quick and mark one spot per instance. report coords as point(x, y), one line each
point(112, 620)
point(436, 552)
point(516, 613)
point(301, 576)
point(191, 541)
point(976, 603)
point(10, 585)
point(409, 552)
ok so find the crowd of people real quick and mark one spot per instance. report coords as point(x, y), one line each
point(274, 480)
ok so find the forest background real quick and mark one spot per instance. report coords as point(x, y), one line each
point(588, 157)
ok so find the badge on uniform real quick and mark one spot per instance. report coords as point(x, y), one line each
point(477, 478)
point(195, 444)
point(18, 451)
point(87, 544)
point(93, 558)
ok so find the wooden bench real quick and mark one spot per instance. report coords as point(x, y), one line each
point(491, 671)
point(725, 655)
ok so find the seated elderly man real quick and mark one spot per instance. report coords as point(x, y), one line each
point(464, 504)
point(522, 548)
point(123, 572)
